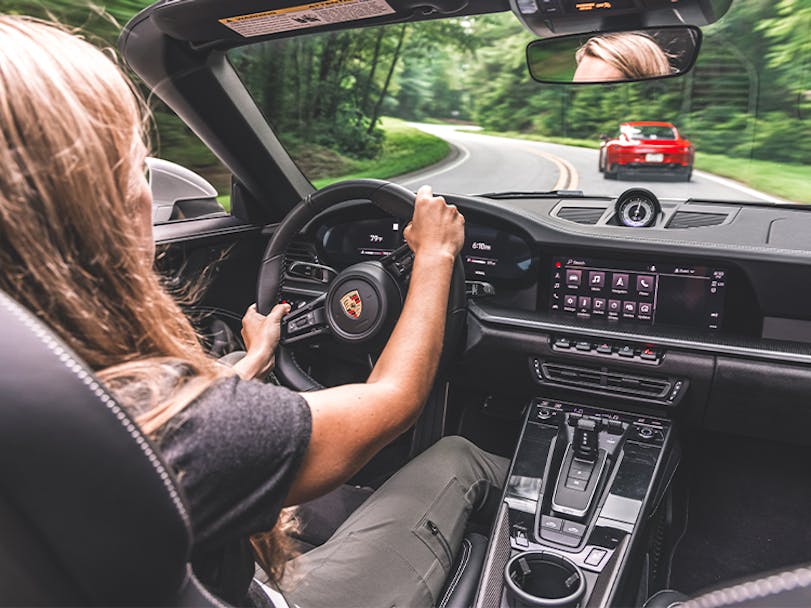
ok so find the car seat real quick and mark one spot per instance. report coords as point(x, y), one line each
point(90, 514)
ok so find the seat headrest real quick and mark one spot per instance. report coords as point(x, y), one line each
point(89, 512)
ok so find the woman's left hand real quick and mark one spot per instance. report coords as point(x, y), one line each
point(261, 335)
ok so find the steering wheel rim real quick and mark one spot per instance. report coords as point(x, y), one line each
point(391, 198)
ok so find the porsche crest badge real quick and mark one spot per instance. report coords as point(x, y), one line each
point(352, 304)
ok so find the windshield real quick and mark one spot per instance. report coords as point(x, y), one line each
point(648, 132)
point(450, 103)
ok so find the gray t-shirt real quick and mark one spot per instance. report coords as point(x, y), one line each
point(235, 450)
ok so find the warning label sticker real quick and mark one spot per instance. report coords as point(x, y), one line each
point(306, 15)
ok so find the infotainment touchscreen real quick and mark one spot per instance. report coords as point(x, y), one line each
point(648, 293)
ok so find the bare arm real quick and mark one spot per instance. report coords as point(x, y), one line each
point(351, 423)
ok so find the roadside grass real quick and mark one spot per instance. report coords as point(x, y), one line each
point(405, 149)
point(785, 180)
point(225, 201)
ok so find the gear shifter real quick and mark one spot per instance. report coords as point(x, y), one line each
point(580, 471)
point(585, 442)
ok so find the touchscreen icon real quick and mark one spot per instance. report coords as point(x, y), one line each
point(614, 306)
point(619, 282)
point(645, 309)
point(644, 283)
point(573, 278)
point(597, 279)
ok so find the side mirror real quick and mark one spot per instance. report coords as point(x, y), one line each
point(625, 56)
point(179, 193)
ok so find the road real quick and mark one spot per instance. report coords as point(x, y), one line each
point(485, 163)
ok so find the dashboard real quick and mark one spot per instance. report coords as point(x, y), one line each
point(708, 309)
point(572, 281)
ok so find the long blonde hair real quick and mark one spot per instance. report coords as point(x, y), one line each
point(72, 146)
point(634, 54)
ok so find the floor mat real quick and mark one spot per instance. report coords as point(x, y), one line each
point(748, 511)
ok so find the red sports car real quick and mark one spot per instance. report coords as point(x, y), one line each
point(646, 147)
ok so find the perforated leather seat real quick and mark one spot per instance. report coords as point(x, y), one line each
point(89, 513)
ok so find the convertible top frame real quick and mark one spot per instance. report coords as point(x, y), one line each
point(178, 48)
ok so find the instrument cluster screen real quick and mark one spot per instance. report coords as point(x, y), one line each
point(490, 253)
point(646, 293)
point(367, 239)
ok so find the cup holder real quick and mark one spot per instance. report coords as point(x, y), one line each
point(541, 579)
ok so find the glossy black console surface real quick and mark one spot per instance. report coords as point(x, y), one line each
point(584, 505)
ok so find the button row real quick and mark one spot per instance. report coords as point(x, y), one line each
point(619, 282)
point(561, 531)
point(608, 348)
point(627, 309)
point(614, 427)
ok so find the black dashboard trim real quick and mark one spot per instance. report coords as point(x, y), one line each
point(525, 321)
point(641, 239)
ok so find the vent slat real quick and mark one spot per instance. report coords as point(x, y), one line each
point(581, 215)
point(638, 386)
point(301, 251)
point(695, 219)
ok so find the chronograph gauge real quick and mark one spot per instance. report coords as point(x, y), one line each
point(637, 208)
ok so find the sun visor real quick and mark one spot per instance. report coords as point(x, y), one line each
point(556, 17)
point(253, 20)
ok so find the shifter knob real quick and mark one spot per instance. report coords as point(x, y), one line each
point(585, 442)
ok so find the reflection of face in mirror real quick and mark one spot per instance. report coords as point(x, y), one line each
point(622, 56)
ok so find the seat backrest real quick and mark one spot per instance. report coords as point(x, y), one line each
point(89, 512)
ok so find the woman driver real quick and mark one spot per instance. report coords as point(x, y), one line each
point(76, 248)
point(620, 56)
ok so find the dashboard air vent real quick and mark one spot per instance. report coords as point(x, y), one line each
point(695, 219)
point(581, 215)
point(645, 387)
point(301, 251)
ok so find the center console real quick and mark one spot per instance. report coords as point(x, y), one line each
point(581, 481)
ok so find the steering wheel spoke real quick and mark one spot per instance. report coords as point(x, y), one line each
point(306, 323)
point(399, 263)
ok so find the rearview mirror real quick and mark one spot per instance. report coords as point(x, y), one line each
point(626, 56)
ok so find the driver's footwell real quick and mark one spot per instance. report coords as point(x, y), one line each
point(749, 510)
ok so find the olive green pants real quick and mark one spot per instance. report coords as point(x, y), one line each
point(396, 549)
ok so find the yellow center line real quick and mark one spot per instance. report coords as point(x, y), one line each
point(568, 178)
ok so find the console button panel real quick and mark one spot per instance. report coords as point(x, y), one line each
point(628, 450)
point(605, 349)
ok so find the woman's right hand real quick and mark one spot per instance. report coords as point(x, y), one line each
point(436, 227)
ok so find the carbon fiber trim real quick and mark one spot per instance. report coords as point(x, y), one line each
point(489, 595)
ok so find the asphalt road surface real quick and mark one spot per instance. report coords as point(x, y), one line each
point(485, 163)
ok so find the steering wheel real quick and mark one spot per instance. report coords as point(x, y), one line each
point(363, 302)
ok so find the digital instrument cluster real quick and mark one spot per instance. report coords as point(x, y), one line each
point(490, 254)
point(647, 293)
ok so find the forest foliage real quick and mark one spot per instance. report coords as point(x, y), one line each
point(749, 95)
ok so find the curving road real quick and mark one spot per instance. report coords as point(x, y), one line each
point(485, 163)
